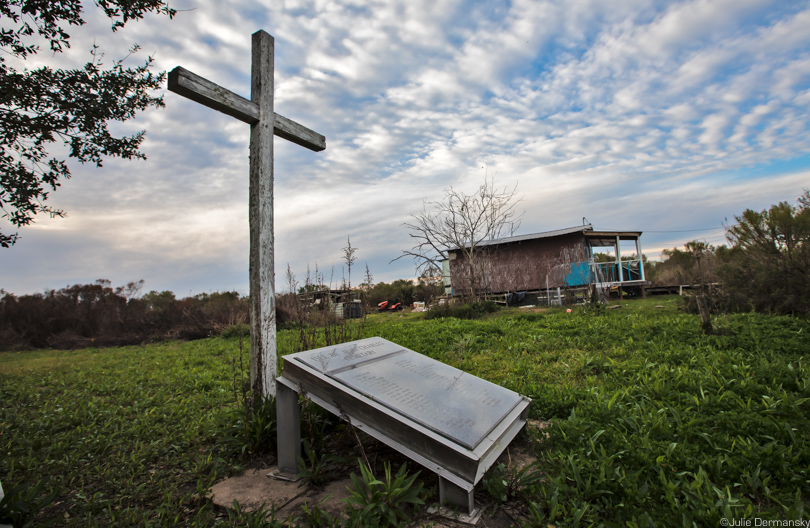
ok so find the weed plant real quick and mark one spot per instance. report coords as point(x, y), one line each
point(250, 426)
point(503, 485)
point(21, 504)
point(372, 503)
point(318, 466)
point(383, 502)
point(311, 327)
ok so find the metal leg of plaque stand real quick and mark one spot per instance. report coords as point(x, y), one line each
point(452, 499)
point(288, 431)
point(1, 498)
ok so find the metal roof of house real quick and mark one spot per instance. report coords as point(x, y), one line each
point(545, 234)
point(587, 229)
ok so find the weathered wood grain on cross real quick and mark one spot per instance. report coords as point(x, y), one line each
point(258, 112)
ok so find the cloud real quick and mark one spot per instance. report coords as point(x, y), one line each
point(640, 115)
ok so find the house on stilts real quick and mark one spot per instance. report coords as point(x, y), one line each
point(559, 267)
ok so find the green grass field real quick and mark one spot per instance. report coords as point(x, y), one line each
point(653, 423)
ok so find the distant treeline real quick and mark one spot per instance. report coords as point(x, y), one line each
point(86, 315)
point(100, 315)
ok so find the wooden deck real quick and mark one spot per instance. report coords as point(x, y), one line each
point(674, 289)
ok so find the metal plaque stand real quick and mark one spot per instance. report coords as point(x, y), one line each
point(458, 467)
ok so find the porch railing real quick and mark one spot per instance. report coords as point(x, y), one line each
point(624, 271)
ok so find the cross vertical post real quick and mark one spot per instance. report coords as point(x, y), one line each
point(262, 274)
point(259, 113)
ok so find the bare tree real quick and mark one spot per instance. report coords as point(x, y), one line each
point(462, 222)
point(369, 279)
point(349, 258)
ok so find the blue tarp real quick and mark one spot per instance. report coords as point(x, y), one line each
point(580, 275)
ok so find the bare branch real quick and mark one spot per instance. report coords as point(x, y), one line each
point(462, 222)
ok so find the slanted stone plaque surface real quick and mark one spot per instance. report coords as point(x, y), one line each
point(448, 401)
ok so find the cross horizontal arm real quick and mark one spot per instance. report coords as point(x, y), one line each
point(298, 133)
point(203, 91)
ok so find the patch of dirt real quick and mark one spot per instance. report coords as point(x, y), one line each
point(532, 309)
point(255, 488)
point(330, 498)
point(537, 427)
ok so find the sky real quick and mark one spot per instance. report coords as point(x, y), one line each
point(663, 117)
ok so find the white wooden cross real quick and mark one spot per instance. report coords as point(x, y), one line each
point(264, 122)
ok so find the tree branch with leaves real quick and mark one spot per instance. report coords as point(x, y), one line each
point(44, 106)
point(767, 267)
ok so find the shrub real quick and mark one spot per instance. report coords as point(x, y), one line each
point(695, 264)
point(472, 310)
point(240, 330)
point(767, 269)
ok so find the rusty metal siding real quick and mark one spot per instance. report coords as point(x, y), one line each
point(521, 265)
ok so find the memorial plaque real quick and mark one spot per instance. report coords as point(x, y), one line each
point(335, 359)
point(450, 422)
point(448, 401)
